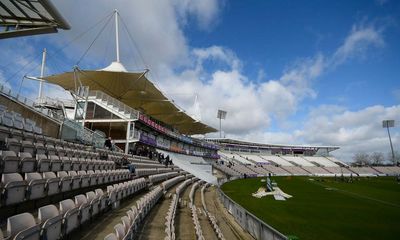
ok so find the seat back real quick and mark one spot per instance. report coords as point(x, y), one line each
point(19, 222)
point(51, 221)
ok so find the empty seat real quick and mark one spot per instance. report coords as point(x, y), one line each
point(39, 138)
point(17, 134)
point(84, 164)
point(84, 208)
point(111, 236)
point(28, 163)
point(13, 144)
point(40, 149)
point(65, 181)
point(75, 164)
point(102, 198)
point(13, 188)
point(28, 136)
point(70, 215)
point(37, 130)
point(43, 163)
point(7, 119)
point(85, 179)
point(119, 231)
point(94, 202)
point(52, 183)
point(22, 226)
point(51, 221)
point(4, 133)
point(60, 151)
point(36, 186)
point(29, 124)
point(27, 146)
point(50, 149)
point(66, 164)
point(76, 180)
point(9, 162)
point(55, 163)
point(18, 121)
point(93, 177)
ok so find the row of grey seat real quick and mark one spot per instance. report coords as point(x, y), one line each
point(15, 120)
point(55, 223)
point(16, 189)
point(134, 216)
point(10, 162)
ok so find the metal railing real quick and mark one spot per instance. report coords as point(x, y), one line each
point(120, 106)
point(82, 133)
point(252, 224)
point(26, 101)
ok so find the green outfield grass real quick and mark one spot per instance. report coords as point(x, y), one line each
point(368, 208)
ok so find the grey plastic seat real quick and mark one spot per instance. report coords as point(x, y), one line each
point(23, 226)
point(51, 221)
point(112, 194)
point(84, 208)
point(76, 180)
point(28, 163)
point(43, 163)
point(119, 231)
point(52, 183)
point(18, 121)
point(94, 202)
point(17, 134)
point(66, 164)
point(27, 146)
point(50, 149)
point(36, 186)
point(60, 151)
point(70, 215)
point(102, 198)
point(7, 119)
point(29, 124)
point(14, 188)
point(65, 181)
point(39, 138)
point(92, 177)
point(68, 152)
point(4, 133)
point(55, 163)
point(9, 162)
point(90, 164)
point(28, 136)
point(111, 236)
point(37, 130)
point(100, 177)
point(84, 164)
point(85, 179)
point(13, 144)
point(39, 148)
point(75, 164)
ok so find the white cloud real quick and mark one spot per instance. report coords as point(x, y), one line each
point(356, 44)
point(353, 131)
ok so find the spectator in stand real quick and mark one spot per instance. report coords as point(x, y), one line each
point(108, 144)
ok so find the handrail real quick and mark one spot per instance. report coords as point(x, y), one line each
point(134, 114)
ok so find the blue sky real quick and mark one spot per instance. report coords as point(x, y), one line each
point(295, 72)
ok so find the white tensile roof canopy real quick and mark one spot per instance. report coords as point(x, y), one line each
point(136, 91)
point(28, 17)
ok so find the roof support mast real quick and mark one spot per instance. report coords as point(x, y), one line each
point(40, 95)
point(116, 33)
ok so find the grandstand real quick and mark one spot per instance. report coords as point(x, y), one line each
point(239, 158)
